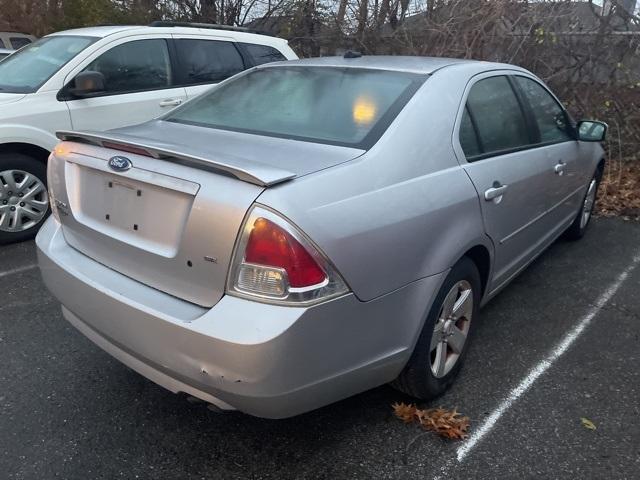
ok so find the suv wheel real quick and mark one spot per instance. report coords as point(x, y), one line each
point(24, 201)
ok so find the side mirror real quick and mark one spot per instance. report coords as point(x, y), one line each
point(87, 84)
point(592, 131)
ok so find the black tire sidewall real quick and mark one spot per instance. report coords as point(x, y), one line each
point(418, 378)
point(575, 231)
point(19, 161)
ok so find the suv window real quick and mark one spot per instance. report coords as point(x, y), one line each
point(134, 66)
point(497, 115)
point(19, 42)
point(207, 61)
point(263, 53)
point(549, 115)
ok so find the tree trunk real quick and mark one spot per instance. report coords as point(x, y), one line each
point(363, 13)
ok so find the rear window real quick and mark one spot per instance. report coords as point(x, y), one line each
point(339, 106)
point(207, 61)
point(19, 42)
point(262, 54)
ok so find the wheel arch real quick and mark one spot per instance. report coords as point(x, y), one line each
point(481, 257)
point(38, 153)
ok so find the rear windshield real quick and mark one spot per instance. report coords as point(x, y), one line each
point(338, 106)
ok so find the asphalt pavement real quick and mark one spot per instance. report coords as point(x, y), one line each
point(562, 342)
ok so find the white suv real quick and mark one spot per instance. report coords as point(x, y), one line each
point(101, 78)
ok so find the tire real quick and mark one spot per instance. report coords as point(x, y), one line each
point(28, 177)
point(418, 378)
point(579, 226)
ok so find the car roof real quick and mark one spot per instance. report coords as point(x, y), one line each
point(412, 64)
point(424, 65)
point(108, 30)
point(99, 31)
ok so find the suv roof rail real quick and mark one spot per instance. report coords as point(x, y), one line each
point(212, 26)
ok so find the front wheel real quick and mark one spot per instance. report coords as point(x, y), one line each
point(24, 202)
point(445, 336)
point(579, 226)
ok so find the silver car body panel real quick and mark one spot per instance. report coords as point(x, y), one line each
point(149, 222)
point(392, 220)
point(266, 360)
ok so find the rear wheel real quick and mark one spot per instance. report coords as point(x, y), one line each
point(579, 226)
point(24, 202)
point(442, 345)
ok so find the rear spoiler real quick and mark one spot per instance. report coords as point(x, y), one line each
point(240, 168)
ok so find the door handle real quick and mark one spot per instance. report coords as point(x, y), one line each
point(559, 168)
point(171, 102)
point(495, 192)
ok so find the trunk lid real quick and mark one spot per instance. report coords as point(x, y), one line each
point(171, 219)
point(169, 226)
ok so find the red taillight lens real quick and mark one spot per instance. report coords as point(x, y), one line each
point(273, 246)
point(275, 262)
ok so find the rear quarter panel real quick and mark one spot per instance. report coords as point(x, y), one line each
point(404, 210)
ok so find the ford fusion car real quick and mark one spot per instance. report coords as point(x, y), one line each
point(312, 229)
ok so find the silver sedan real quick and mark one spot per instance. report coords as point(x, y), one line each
point(311, 229)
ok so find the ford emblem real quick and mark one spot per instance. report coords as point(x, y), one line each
point(119, 164)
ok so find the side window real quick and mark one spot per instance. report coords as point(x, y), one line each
point(263, 53)
point(135, 66)
point(468, 136)
point(207, 61)
point(549, 115)
point(497, 114)
point(19, 42)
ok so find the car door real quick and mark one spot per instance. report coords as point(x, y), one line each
point(558, 142)
point(139, 86)
point(205, 61)
point(512, 176)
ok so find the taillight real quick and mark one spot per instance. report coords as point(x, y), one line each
point(276, 262)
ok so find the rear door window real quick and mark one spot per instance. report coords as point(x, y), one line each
point(263, 53)
point(549, 115)
point(497, 116)
point(135, 66)
point(468, 136)
point(206, 61)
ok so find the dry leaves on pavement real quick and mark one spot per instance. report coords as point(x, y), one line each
point(619, 193)
point(446, 423)
point(586, 423)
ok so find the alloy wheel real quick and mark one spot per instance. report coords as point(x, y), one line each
point(587, 206)
point(23, 201)
point(451, 329)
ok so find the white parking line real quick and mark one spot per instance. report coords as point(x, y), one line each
point(543, 366)
point(18, 270)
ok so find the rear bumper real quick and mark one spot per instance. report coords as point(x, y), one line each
point(265, 360)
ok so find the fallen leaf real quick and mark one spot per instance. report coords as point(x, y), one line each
point(586, 423)
point(404, 412)
point(446, 423)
